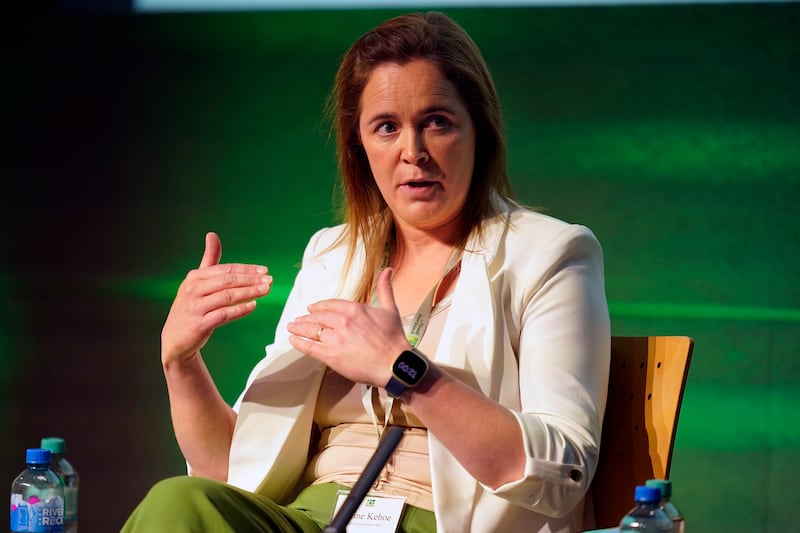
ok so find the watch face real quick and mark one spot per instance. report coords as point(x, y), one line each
point(409, 368)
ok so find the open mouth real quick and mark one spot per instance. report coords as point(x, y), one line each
point(420, 184)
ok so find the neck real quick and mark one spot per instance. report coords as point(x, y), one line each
point(421, 248)
point(413, 241)
point(419, 258)
point(419, 268)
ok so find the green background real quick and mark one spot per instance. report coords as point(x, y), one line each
point(672, 131)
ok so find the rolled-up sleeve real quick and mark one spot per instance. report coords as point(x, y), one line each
point(564, 356)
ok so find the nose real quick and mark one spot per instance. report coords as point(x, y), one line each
point(414, 151)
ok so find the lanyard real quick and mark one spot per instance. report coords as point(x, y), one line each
point(414, 335)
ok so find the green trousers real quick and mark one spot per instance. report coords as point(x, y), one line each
point(188, 504)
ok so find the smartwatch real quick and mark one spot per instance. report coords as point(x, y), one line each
point(407, 371)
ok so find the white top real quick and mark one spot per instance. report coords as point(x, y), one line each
point(349, 435)
point(544, 353)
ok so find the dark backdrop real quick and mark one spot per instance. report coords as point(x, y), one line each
point(672, 131)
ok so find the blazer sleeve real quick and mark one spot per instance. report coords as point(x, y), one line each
point(564, 356)
point(307, 288)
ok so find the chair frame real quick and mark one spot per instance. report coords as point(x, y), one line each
point(646, 383)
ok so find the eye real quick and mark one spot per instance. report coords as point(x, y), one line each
point(439, 122)
point(386, 128)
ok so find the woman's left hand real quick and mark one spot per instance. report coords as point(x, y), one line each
point(361, 343)
point(358, 341)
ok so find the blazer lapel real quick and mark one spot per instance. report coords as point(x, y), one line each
point(471, 344)
point(270, 443)
point(274, 411)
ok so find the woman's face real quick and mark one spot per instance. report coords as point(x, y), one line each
point(420, 143)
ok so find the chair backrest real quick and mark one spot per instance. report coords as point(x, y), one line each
point(645, 390)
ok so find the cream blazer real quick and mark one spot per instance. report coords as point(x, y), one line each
point(528, 326)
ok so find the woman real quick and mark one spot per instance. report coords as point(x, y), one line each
point(439, 305)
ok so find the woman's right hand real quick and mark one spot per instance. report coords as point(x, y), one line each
point(210, 296)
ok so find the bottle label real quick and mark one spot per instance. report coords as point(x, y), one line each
point(70, 504)
point(37, 516)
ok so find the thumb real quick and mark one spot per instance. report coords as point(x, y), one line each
point(213, 251)
point(385, 290)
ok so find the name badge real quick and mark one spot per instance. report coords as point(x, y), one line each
point(376, 514)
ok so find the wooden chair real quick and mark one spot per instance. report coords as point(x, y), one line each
point(645, 389)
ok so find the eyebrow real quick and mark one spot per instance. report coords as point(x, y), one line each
point(438, 108)
point(430, 110)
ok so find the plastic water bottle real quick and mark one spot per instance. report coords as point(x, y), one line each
point(69, 477)
point(647, 515)
point(37, 496)
point(665, 486)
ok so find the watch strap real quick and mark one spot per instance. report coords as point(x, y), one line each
point(395, 387)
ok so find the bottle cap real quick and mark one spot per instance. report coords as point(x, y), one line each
point(54, 444)
point(664, 485)
point(647, 494)
point(37, 456)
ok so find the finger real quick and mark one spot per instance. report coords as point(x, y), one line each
point(224, 315)
point(231, 297)
point(205, 281)
point(228, 269)
point(213, 251)
point(334, 305)
point(308, 347)
point(234, 281)
point(308, 330)
point(385, 290)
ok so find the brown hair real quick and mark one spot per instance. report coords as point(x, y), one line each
point(436, 38)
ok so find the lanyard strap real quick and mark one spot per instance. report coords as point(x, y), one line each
point(414, 335)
